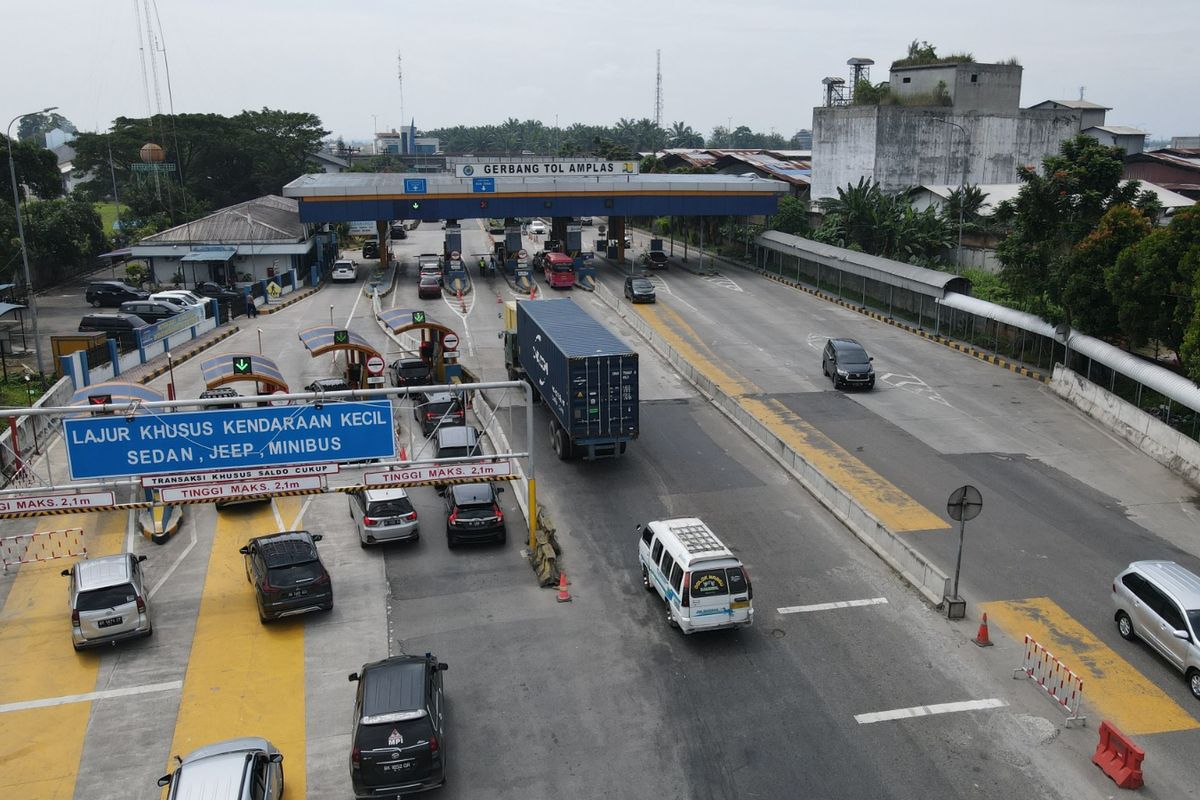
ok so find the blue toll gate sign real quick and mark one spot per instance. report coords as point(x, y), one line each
point(155, 444)
point(485, 185)
point(414, 186)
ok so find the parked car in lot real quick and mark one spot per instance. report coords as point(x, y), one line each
point(344, 270)
point(287, 575)
point(430, 286)
point(639, 290)
point(182, 298)
point(111, 294)
point(107, 598)
point(473, 513)
point(435, 409)
point(412, 371)
point(383, 515)
point(847, 363)
point(122, 327)
point(250, 768)
point(701, 581)
point(151, 310)
point(398, 744)
point(537, 226)
point(216, 291)
point(1159, 603)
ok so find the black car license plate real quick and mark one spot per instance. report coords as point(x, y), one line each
point(399, 767)
point(111, 621)
point(297, 593)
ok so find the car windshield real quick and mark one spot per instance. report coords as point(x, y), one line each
point(1194, 618)
point(291, 574)
point(709, 582)
point(108, 597)
point(395, 507)
point(481, 511)
point(852, 355)
point(429, 280)
point(643, 286)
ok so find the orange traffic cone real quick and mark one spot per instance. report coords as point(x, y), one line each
point(981, 638)
point(563, 595)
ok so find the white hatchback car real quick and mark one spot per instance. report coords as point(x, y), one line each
point(537, 226)
point(344, 270)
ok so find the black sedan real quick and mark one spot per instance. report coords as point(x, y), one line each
point(639, 290)
point(150, 310)
point(287, 575)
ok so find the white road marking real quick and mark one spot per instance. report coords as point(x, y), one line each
point(278, 516)
point(300, 514)
point(874, 601)
point(724, 282)
point(911, 383)
point(130, 524)
point(106, 694)
point(926, 711)
point(178, 560)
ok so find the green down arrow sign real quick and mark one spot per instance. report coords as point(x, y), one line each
point(242, 365)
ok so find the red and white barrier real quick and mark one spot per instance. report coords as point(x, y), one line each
point(30, 548)
point(1052, 676)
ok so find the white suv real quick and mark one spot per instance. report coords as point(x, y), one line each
point(344, 270)
point(107, 597)
point(1159, 602)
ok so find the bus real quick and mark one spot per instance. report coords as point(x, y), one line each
point(559, 269)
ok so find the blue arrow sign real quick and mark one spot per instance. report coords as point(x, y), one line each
point(414, 186)
point(155, 444)
point(487, 185)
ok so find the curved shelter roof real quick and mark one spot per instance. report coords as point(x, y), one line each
point(399, 320)
point(333, 197)
point(321, 340)
point(219, 370)
point(119, 391)
point(919, 280)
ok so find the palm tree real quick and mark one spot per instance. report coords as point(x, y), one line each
point(625, 132)
point(682, 135)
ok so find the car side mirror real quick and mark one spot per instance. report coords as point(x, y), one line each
point(499, 490)
point(276, 758)
point(141, 559)
point(316, 537)
point(443, 666)
point(244, 550)
point(66, 573)
point(352, 677)
point(165, 780)
point(637, 528)
point(1183, 635)
point(870, 358)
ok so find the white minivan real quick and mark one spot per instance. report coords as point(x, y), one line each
point(702, 583)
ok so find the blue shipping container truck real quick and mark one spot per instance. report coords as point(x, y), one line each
point(587, 377)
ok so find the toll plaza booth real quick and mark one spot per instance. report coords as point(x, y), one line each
point(363, 362)
point(454, 274)
point(436, 343)
point(227, 368)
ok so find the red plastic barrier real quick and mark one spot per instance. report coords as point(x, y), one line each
point(1119, 757)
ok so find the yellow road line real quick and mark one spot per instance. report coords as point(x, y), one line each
point(243, 678)
point(1111, 685)
point(886, 501)
point(40, 747)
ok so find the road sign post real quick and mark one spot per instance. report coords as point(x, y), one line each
point(964, 504)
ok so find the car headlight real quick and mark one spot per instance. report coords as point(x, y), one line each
point(843, 371)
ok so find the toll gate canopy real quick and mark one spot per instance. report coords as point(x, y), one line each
point(335, 197)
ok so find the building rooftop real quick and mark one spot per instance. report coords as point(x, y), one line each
point(265, 219)
point(1118, 130)
point(1083, 105)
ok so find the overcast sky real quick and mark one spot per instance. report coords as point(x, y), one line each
point(755, 62)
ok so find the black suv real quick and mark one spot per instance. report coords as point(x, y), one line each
point(437, 408)
point(112, 293)
point(287, 574)
point(150, 310)
point(370, 248)
point(410, 372)
point(847, 363)
point(473, 513)
point(639, 290)
point(399, 744)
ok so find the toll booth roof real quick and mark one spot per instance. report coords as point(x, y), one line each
point(322, 339)
point(349, 185)
point(119, 391)
point(398, 319)
point(219, 369)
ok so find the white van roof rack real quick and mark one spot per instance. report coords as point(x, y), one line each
point(696, 538)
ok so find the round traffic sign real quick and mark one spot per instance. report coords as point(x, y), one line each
point(964, 504)
point(523, 254)
point(375, 365)
point(280, 402)
point(455, 255)
point(450, 341)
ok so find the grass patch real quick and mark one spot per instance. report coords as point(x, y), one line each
point(108, 215)
point(14, 393)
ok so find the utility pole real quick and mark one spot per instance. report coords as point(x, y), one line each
point(658, 98)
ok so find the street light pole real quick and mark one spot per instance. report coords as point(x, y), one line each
point(12, 173)
point(962, 187)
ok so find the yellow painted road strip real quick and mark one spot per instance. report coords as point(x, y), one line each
point(886, 501)
point(1111, 685)
point(243, 678)
point(40, 746)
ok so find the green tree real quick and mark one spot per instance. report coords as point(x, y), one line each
point(1153, 283)
point(36, 168)
point(34, 127)
point(791, 217)
point(1087, 296)
point(1057, 208)
point(682, 135)
point(864, 217)
point(62, 235)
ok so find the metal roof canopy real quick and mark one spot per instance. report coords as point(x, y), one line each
point(319, 341)
point(218, 371)
point(120, 391)
point(399, 320)
point(336, 197)
point(919, 280)
point(8, 308)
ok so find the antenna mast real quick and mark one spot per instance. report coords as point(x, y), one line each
point(658, 100)
point(400, 78)
point(137, 24)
